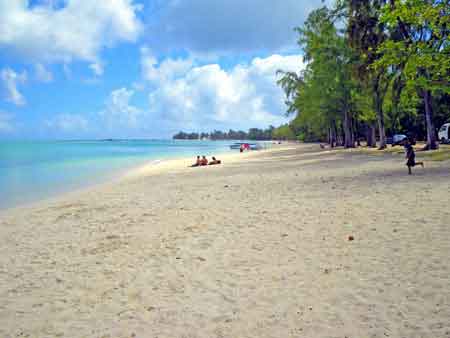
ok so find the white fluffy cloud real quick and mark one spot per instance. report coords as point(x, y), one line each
point(6, 123)
point(209, 96)
point(55, 31)
point(67, 123)
point(9, 81)
point(184, 95)
point(119, 113)
point(164, 71)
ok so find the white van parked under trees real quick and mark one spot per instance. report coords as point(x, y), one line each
point(444, 133)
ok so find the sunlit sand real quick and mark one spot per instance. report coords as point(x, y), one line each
point(256, 247)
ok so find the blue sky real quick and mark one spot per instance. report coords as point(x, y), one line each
point(129, 68)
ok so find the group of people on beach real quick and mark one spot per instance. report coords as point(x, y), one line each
point(202, 161)
point(409, 152)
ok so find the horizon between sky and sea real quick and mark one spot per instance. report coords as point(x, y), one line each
point(132, 69)
point(35, 170)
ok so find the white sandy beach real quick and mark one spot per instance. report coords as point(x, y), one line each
point(251, 248)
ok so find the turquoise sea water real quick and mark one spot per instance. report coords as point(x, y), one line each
point(30, 171)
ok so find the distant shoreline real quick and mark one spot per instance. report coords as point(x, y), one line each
point(147, 167)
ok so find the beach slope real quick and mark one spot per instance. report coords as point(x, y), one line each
point(252, 248)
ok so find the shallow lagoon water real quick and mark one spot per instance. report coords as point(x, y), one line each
point(32, 170)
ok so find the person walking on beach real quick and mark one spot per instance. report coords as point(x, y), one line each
point(410, 156)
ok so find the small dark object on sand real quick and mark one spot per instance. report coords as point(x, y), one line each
point(351, 238)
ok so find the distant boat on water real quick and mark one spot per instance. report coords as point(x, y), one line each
point(251, 146)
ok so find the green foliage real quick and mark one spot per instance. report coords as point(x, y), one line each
point(422, 50)
point(283, 132)
point(252, 134)
point(363, 102)
point(419, 47)
point(320, 95)
point(385, 61)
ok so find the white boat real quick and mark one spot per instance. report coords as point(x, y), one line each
point(236, 145)
point(255, 146)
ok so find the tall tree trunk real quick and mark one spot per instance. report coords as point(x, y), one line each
point(374, 135)
point(348, 134)
point(339, 136)
point(356, 132)
point(352, 131)
point(380, 120)
point(378, 105)
point(335, 133)
point(332, 134)
point(371, 136)
point(431, 133)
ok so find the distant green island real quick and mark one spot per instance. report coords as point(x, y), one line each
point(254, 134)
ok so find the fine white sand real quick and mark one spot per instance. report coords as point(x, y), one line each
point(256, 247)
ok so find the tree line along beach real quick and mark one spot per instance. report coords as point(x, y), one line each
point(304, 193)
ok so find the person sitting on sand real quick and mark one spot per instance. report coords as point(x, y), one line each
point(197, 163)
point(203, 161)
point(410, 156)
point(215, 161)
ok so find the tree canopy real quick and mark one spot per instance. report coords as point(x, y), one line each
point(373, 67)
point(251, 134)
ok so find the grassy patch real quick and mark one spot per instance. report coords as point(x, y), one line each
point(442, 154)
point(377, 152)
